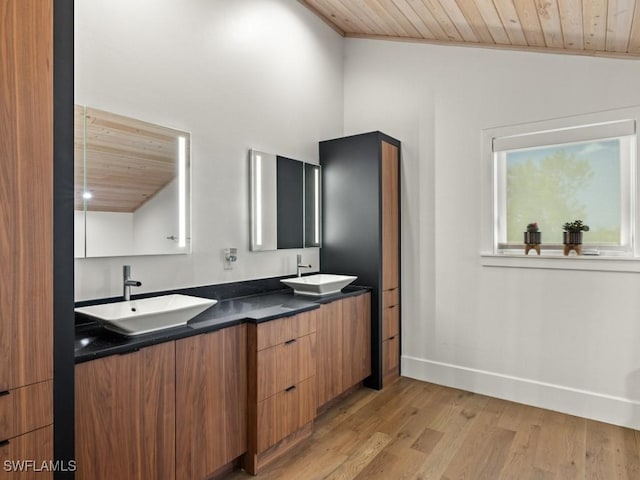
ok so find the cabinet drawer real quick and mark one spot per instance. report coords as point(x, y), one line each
point(282, 330)
point(390, 322)
point(284, 413)
point(36, 446)
point(285, 364)
point(25, 409)
point(390, 297)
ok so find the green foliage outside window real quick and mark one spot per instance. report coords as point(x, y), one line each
point(554, 184)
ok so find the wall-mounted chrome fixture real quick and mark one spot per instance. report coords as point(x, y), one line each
point(230, 256)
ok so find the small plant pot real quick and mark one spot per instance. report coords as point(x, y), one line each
point(572, 238)
point(532, 241)
point(532, 238)
point(572, 241)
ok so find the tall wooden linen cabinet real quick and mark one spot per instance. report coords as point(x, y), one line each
point(361, 234)
point(26, 233)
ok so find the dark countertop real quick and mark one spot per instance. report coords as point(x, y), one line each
point(93, 341)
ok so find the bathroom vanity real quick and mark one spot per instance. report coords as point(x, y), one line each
point(240, 385)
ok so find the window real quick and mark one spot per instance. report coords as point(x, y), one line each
point(562, 170)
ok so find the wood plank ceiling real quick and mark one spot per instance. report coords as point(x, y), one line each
point(580, 27)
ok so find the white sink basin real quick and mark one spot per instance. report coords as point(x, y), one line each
point(135, 317)
point(318, 284)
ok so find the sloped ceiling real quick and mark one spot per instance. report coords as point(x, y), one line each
point(578, 27)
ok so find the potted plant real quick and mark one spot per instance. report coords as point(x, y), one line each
point(532, 238)
point(572, 236)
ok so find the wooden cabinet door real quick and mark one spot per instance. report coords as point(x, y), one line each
point(356, 339)
point(125, 415)
point(329, 352)
point(390, 263)
point(26, 192)
point(211, 401)
point(390, 217)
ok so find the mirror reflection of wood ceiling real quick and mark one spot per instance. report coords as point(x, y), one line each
point(128, 161)
point(560, 26)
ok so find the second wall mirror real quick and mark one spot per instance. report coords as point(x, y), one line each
point(286, 202)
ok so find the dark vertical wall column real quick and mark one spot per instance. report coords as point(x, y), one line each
point(63, 319)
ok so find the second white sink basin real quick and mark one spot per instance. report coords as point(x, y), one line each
point(318, 284)
point(135, 317)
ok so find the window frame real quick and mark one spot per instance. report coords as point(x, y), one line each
point(585, 124)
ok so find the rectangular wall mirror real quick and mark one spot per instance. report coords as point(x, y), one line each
point(132, 186)
point(285, 202)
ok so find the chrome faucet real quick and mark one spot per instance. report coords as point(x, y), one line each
point(127, 283)
point(300, 265)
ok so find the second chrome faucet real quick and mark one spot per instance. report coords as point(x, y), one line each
point(127, 283)
point(300, 265)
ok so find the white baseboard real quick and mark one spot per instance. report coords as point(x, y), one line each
point(581, 403)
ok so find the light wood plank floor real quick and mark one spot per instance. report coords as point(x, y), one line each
point(417, 430)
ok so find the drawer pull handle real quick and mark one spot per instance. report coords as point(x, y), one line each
point(289, 342)
point(290, 389)
point(4, 393)
point(4, 443)
point(392, 306)
point(391, 338)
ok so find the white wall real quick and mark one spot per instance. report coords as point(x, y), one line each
point(264, 74)
point(565, 340)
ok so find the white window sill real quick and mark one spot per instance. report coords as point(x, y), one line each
point(599, 263)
